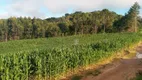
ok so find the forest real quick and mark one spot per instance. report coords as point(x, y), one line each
point(103, 21)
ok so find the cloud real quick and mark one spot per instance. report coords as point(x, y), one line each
point(48, 8)
point(26, 7)
point(86, 5)
point(4, 15)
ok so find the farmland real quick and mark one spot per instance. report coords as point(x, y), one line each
point(49, 57)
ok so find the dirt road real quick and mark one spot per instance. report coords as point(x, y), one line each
point(124, 69)
point(121, 69)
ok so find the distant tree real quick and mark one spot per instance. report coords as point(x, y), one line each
point(133, 16)
point(13, 28)
point(107, 19)
point(64, 27)
point(27, 27)
point(95, 22)
point(3, 30)
point(130, 20)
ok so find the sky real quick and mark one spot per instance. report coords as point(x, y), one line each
point(57, 8)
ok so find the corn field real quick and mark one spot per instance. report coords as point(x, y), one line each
point(44, 63)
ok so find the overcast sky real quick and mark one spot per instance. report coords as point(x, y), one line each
point(55, 8)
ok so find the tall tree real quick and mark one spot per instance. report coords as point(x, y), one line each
point(133, 14)
point(3, 30)
point(130, 20)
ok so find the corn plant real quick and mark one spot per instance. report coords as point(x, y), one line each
point(45, 63)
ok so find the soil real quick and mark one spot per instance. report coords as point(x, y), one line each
point(125, 69)
point(119, 69)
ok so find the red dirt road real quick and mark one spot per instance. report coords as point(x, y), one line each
point(124, 69)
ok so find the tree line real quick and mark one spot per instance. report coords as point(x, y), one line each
point(103, 21)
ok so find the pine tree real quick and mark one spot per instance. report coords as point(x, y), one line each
point(133, 15)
